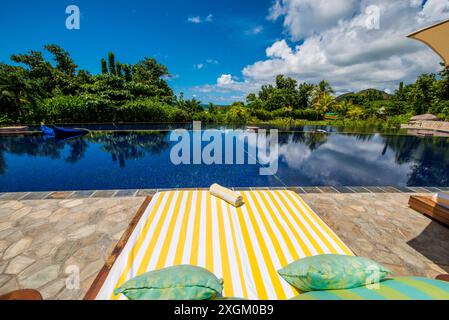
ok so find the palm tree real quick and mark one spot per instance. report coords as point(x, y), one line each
point(322, 88)
point(344, 106)
point(324, 103)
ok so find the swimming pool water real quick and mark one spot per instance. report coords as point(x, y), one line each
point(141, 160)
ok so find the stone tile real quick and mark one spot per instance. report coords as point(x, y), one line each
point(71, 203)
point(4, 279)
point(146, 192)
point(13, 196)
point(420, 190)
point(360, 190)
point(17, 248)
point(60, 195)
point(82, 233)
point(41, 277)
point(6, 225)
point(311, 190)
point(104, 194)
point(81, 194)
point(125, 193)
point(405, 189)
point(375, 189)
point(51, 290)
point(18, 264)
point(9, 286)
point(328, 189)
point(390, 190)
point(35, 196)
point(91, 269)
point(344, 189)
point(41, 214)
point(3, 265)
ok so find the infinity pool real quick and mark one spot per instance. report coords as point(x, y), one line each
point(141, 160)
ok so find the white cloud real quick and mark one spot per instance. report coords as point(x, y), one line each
point(195, 19)
point(225, 80)
point(343, 42)
point(306, 17)
point(254, 31)
point(198, 19)
point(348, 53)
point(203, 65)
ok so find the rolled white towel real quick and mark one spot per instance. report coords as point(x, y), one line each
point(227, 195)
point(442, 199)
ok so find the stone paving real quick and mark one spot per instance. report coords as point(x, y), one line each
point(41, 240)
point(382, 227)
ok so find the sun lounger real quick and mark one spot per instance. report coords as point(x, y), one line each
point(245, 246)
point(428, 207)
point(401, 288)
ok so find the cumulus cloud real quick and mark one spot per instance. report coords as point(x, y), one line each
point(225, 80)
point(347, 48)
point(306, 17)
point(354, 44)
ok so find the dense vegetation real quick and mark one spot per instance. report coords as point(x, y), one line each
point(35, 90)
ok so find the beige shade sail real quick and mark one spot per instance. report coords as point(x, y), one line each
point(437, 38)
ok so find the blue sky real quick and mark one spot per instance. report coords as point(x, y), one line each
point(236, 34)
point(219, 51)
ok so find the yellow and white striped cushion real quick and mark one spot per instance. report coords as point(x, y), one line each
point(245, 246)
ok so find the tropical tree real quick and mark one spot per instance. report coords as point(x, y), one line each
point(104, 67)
point(324, 103)
point(112, 69)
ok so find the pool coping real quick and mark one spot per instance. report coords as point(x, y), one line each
point(120, 193)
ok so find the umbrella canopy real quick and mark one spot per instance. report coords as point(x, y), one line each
point(436, 37)
point(425, 117)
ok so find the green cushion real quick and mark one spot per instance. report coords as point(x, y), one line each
point(402, 288)
point(332, 272)
point(174, 283)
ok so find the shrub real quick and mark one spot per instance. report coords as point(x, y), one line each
point(238, 115)
point(307, 114)
point(81, 108)
point(146, 110)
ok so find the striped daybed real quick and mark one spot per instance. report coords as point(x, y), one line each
point(245, 246)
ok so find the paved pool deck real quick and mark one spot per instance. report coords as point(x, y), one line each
point(46, 237)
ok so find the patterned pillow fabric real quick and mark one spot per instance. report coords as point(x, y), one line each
point(402, 288)
point(332, 272)
point(182, 282)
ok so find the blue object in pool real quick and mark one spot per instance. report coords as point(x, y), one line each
point(68, 132)
point(47, 131)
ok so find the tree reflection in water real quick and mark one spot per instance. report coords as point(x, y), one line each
point(427, 158)
point(130, 145)
point(33, 145)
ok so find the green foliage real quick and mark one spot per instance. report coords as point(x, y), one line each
point(104, 66)
point(238, 114)
point(39, 91)
point(112, 69)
